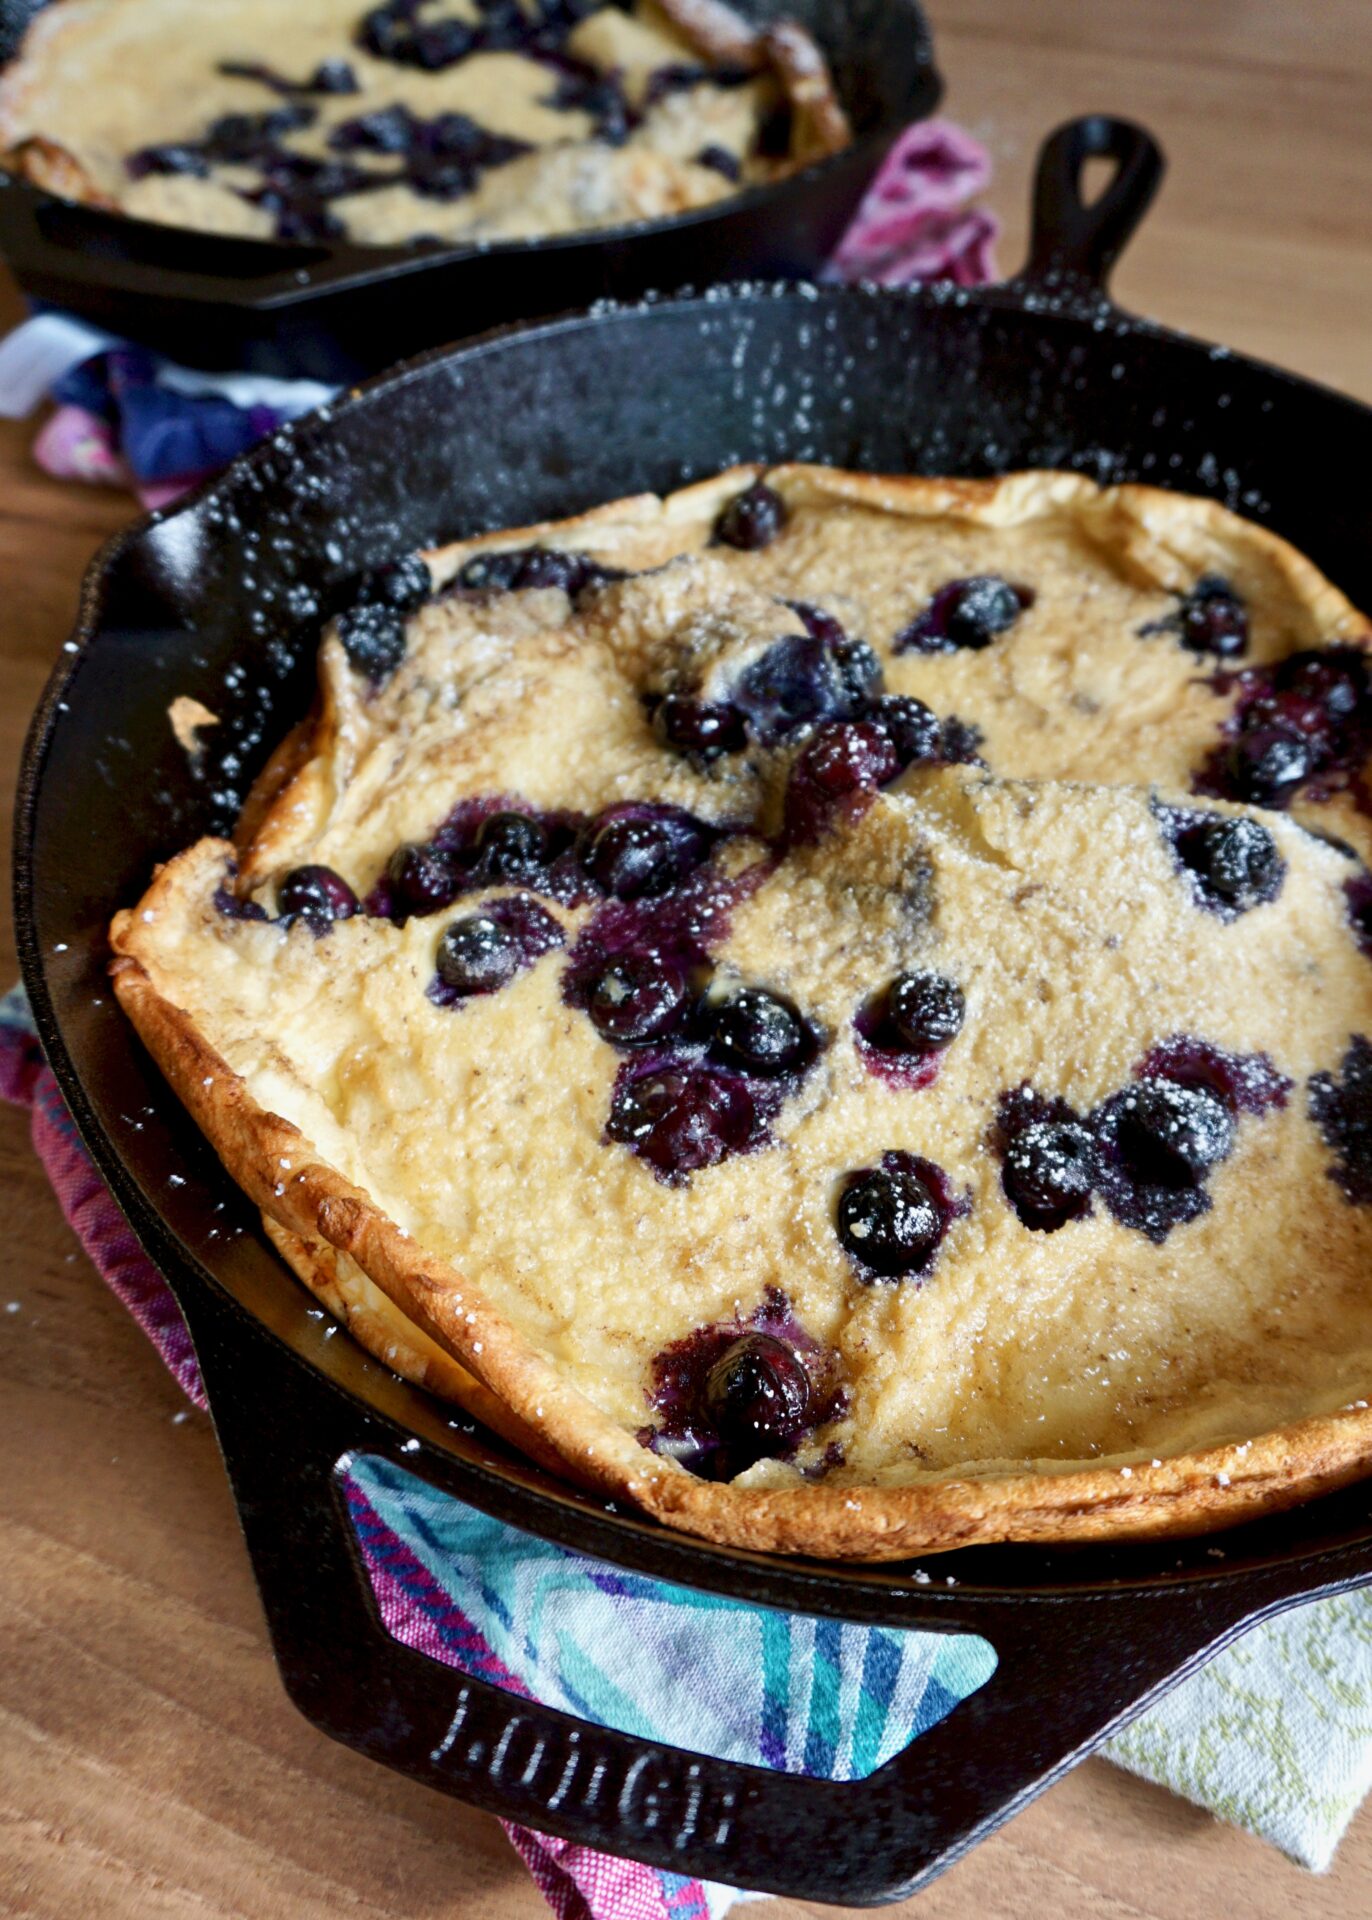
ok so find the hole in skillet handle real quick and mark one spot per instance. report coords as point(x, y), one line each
point(1075, 243)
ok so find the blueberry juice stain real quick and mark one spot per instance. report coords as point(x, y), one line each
point(728, 1395)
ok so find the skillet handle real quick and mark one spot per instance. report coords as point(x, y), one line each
point(1076, 243)
point(1068, 1672)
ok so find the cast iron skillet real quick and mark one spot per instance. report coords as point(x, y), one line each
point(219, 599)
point(336, 312)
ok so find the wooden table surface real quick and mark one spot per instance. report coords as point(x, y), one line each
point(150, 1765)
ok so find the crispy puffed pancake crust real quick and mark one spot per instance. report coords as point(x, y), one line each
point(441, 1178)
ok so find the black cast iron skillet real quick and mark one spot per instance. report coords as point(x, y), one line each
point(218, 599)
point(337, 312)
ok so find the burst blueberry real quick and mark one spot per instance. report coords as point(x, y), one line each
point(845, 758)
point(386, 130)
point(796, 683)
point(757, 1398)
point(640, 855)
point(1267, 764)
point(967, 613)
point(317, 895)
point(1172, 1135)
point(175, 157)
point(1342, 1109)
point(640, 999)
point(681, 1119)
point(421, 879)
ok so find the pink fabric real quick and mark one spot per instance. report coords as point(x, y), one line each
point(86, 1201)
point(914, 222)
point(72, 444)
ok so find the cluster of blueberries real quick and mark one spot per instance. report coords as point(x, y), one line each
point(441, 158)
point(1305, 721)
point(1147, 1150)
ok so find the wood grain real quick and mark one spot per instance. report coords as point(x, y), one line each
point(150, 1765)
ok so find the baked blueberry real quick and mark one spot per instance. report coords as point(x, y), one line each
point(422, 879)
point(639, 998)
point(640, 854)
point(1049, 1172)
point(405, 583)
point(584, 89)
point(1213, 619)
point(373, 628)
point(477, 955)
point(511, 846)
point(683, 1118)
point(247, 137)
point(889, 1220)
point(1233, 862)
point(706, 729)
point(1266, 764)
point(925, 1010)
point(174, 157)
point(386, 130)
point(1358, 894)
point(860, 675)
point(330, 76)
point(1171, 1135)
point(752, 519)
point(914, 730)
point(732, 1393)
point(757, 1398)
point(720, 160)
point(794, 684)
point(1236, 859)
point(965, 613)
point(236, 906)
point(846, 757)
point(819, 624)
point(522, 568)
point(961, 743)
point(759, 1032)
point(1342, 1109)
point(317, 895)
